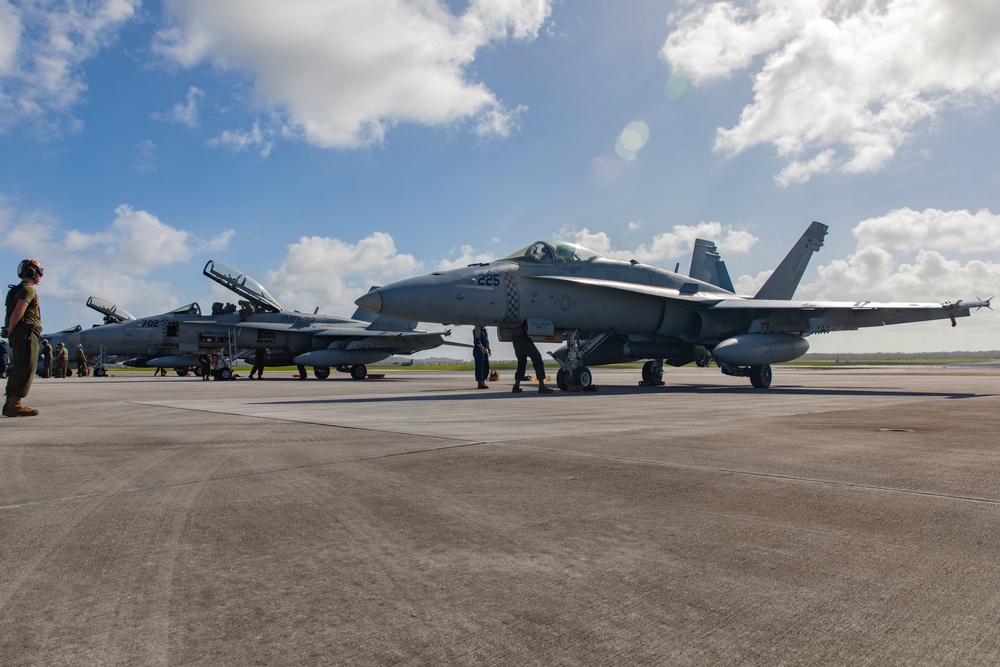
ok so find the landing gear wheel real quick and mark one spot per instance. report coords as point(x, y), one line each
point(100, 372)
point(760, 376)
point(198, 372)
point(224, 374)
point(321, 372)
point(359, 372)
point(181, 372)
point(561, 379)
point(583, 378)
point(652, 373)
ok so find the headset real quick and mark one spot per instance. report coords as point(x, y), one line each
point(29, 268)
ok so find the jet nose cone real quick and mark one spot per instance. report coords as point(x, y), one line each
point(107, 334)
point(371, 301)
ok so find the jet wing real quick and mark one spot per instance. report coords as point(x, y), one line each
point(809, 317)
point(800, 317)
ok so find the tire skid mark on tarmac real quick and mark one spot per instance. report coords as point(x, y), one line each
point(83, 506)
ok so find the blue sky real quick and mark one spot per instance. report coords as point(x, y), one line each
point(324, 147)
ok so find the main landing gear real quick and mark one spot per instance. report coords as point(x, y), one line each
point(652, 373)
point(760, 376)
point(357, 371)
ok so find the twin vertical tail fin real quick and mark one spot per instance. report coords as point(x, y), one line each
point(707, 265)
point(783, 282)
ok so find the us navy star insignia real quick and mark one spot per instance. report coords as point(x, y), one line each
point(565, 303)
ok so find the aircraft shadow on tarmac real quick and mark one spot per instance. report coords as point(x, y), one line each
point(501, 394)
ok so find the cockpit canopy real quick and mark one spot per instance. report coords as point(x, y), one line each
point(190, 309)
point(553, 252)
point(236, 281)
point(111, 312)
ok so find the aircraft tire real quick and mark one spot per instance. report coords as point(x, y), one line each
point(649, 374)
point(583, 377)
point(760, 376)
point(561, 379)
point(181, 372)
point(100, 372)
point(321, 372)
point(359, 371)
point(224, 374)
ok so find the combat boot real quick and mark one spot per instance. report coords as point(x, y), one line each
point(25, 411)
point(13, 408)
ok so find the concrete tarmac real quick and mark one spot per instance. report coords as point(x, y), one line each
point(847, 516)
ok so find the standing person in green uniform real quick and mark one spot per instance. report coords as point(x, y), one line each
point(62, 360)
point(23, 328)
point(81, 362)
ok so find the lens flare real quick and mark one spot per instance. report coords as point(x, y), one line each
point(632, 139)
point(676, 86)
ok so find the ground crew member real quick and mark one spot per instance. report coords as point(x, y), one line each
point(81, 361)
point(23, 328)
point(62, 360)
point(46, 354)
point(259, 359)
point(524, 347)
point(481, 355)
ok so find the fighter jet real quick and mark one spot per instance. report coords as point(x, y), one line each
point(320, 341)
point(608, 310)
point(98, 355)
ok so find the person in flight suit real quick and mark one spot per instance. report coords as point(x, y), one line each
point(23, 328)
point(45, 352)
point(481, 355)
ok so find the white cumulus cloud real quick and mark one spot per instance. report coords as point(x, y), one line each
point(840, 85)
point(186, 112)
point(668, 246)
point(328, 273)
point(42, 49)
point(113, 263)
point(343, 73)
point(901, 257)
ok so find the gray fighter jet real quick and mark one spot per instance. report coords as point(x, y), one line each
point(609, 311)
point(320, 341)
point(99, 356)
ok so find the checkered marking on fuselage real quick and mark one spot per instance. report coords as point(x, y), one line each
point(512, 315)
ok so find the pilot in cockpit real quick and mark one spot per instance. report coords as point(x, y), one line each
point(539, 252)
point(566, 253)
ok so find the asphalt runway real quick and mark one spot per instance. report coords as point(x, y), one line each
point(847, 516)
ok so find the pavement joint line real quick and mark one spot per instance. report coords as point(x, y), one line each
point(751, 473)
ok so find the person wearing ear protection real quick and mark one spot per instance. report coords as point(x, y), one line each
point(23, 328)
